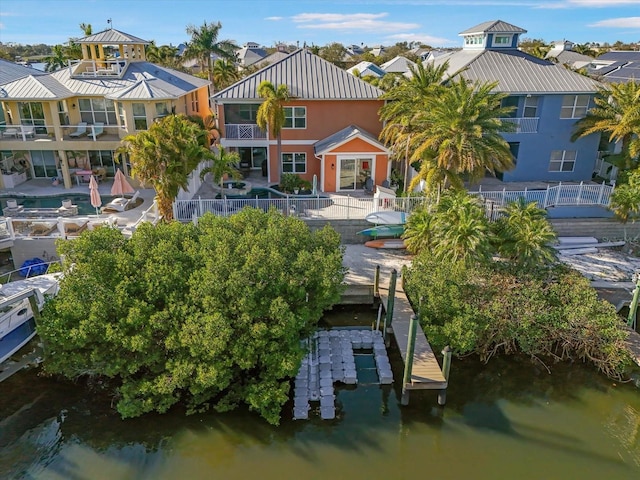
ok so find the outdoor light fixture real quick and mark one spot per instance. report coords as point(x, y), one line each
point(333, 165)
point(73, 105)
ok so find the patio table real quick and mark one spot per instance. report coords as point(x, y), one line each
point(81, 176)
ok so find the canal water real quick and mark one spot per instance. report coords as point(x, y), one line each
point(506, 420)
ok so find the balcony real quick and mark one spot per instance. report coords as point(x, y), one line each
point(523, 124)
point(46, 133)
point(243, 131)
point(98, 68)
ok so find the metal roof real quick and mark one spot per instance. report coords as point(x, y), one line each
point(307, 76)
point(568, 57)
point(343, 136)
point(162, 83)
point(367, 68)
point(517, 72)
point(493, 26)
point(621, 56)
point(398, 64)
point(112, 37)
point(40, 87)
point(10, 71)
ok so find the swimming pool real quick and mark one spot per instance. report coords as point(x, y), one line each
point(54, 201)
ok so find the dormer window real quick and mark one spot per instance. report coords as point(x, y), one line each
point(474, 40)
point(502, 40)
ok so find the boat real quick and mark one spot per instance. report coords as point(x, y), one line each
point(383, 231)
point(17, 323)
point(389, 217)
point(391, 243)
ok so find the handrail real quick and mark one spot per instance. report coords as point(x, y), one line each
point(9, 274)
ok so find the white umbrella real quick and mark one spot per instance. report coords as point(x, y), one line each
point(120, 185)
point(96, 201)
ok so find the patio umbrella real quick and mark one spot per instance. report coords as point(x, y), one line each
point(120, 185)
point(96, 201)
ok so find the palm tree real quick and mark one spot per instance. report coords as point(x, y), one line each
point(270, 114)
point(224, 163)
point(625, 199)
point(417, 235)
point(460, 129)
point(164, 156)
point(165, 55)
point(524, 235)
point(617, 113)
point(57, 59)
point(86, 29)
point(204, 43)
point(224, 73)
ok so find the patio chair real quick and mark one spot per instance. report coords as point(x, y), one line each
point(100, 173)
point(81, 130)
point(121, 204)
point(368, 186)
point(97, 129)
point(28, 130)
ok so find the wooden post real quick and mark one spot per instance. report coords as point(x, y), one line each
point(376, 282)
point(34, 306)
point(633, 308)
point(390, 301)
point(408, 364)
point(446, 367)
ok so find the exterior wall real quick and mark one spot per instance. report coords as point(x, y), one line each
point(554, 133)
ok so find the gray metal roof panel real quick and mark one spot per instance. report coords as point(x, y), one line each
point(493, 26)
point(518, 72)
point(621, 56)
point(569, 57)
point(39, 87)
point(307, 76)
point(112, 37)
point(344, 135)
point(10, 71)
point(143, 90)
point(397, 64)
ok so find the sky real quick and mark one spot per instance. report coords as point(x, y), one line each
point(369, 22)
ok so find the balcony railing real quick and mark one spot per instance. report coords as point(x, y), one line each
point(30, 133)
point(98, 68)
point(523, 124)
point(243, 131)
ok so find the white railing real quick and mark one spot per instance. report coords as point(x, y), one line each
point(28, 271)
point(336, 207)
point(559, 195)
point(243, 131)
point(523, 124)
point(30, 133)
point(98, 68)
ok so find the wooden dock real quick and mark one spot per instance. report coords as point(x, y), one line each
point(426, 373)
point(633, 345)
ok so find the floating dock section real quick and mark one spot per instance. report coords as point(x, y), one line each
point(331, 359)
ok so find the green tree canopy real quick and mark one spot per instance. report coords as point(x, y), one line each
point(204, 43)
point(165, 155)
point(206, 316)
point(271, 116)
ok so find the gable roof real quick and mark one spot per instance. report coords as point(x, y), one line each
point(493, 26)
point(10, 71)
point(616, 66)
point(517, 72)
point(112, 37)
point(365, 68)
point(40, 87)
point(397, 64)
point(307, 76)
point(142, 90)
point(343, 136)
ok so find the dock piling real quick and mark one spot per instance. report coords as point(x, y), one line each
point(446, 367)
point(408, 364)
point(376, 282)
point(633, 308)
point(390, 302)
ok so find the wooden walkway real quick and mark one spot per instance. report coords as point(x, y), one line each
point(633, 345)
point(426, 373)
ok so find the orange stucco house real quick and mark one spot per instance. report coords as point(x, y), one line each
point(331, 128)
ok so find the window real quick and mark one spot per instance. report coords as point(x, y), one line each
point(102, 158)
point(139, 116)
point(161, 110)
point(194, 102)
point(514, 148)
point(294, 163)
point(502, 40)
point(562, 161)
point(513, 103)
point(63, 116)
point(122, 116)
point(248, 113)
point(94, 110)
point(530, 107)
point(295, 117)
point(32, 113)
point(474, 40)
point(574, 106)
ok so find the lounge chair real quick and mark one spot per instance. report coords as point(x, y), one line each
point(121, 204)
point(97, 129)
point(81, 130)
point(28, 130)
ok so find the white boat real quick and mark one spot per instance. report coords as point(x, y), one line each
point(17, 325)
point(389, 217)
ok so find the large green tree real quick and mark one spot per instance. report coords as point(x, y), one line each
point(224, 163)
point(57, 60)
point(206, 316)
point(204, 43)
point(616, 114)
point(164, 155)
point(225, 73)
point(271, 116)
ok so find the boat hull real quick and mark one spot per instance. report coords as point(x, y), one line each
point(390, 243)
point(383, 231)
point(387, 218)
point(17, 338)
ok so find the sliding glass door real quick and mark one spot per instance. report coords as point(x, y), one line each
point(353, 172)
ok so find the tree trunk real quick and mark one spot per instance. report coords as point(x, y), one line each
point(165, 207)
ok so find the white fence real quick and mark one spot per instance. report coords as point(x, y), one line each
point(194, 182)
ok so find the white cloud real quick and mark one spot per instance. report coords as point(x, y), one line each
point(422, 38)
point(275, 19)
point(357, 21)
point(625, 22)
point(1, 26)
point(588, 4)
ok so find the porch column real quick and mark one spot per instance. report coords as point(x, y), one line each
point(64, 166)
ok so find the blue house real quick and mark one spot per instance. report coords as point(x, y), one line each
point(548, 100)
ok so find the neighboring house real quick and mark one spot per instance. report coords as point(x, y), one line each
point(420, 52)
point(398, 64)
point(377, 50)
point(250, 54)
point(562, 52)
point(355, 50)
point(616, 67)
point(74, 119)
point(331, 127)
point(548, 100)
point(273, 58)
point(366, 69)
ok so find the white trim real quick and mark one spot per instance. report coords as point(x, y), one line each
point(322, 175)
point(496, 35)
point(244, 143)
point(364, 139)
point(293, 162)
point(346, 156)
point(293, 117)
point(293, 142)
